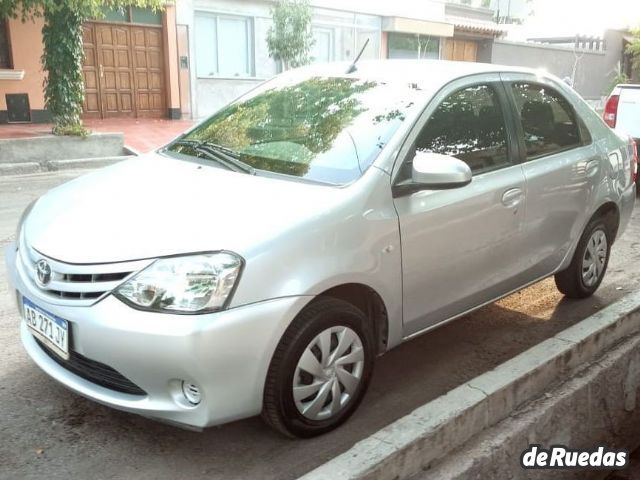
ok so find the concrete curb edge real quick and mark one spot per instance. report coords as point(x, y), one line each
point(24, 168)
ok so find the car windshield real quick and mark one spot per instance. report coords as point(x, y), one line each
point(322, 129)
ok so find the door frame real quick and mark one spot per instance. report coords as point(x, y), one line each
point(99, 82)
point(184, 74)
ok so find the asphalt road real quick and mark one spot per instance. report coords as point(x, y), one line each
point(49, 432)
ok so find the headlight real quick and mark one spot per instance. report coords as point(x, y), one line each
point(186, 284)
point(23, 217)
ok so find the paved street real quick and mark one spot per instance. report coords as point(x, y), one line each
point(48, 432)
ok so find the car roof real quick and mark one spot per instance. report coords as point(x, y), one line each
point(423, 72)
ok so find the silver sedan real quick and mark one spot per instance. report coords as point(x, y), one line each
point(261, 261)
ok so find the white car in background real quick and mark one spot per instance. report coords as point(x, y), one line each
point(622, 110)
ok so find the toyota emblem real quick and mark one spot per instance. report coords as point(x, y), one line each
point(43, 273)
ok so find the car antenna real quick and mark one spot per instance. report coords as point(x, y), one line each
point(352, 68)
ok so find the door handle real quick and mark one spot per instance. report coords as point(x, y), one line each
point(512, 197)
point(592, 167)
point(101, 70)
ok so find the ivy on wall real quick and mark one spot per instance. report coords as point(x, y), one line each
point(63, 53)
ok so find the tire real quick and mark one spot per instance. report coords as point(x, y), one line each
point(308, 416)
point(572, 282)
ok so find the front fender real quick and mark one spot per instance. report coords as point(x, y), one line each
point(357, 241)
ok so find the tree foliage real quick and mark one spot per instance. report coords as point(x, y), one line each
point(63, 53)
point(290, 38)
point(633, 49)
point(618, 78)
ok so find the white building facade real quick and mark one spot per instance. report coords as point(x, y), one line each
point(223, 52)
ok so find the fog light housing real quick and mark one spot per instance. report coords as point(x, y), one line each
point(191, 393)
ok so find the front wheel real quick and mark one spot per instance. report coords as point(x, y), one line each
point(589, 264)
point(320, 370)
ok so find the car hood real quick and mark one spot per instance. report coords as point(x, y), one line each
point(155, 206)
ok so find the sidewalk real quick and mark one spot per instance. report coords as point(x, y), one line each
point(140, 134)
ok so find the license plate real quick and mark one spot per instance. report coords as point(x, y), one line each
point(50, 329)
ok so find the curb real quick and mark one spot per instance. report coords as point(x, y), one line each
point(597, 405)
point(49, 147)
point(412, 443)
point(23, 168)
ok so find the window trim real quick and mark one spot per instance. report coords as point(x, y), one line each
point(332, 40)
point(517, 120)
point(439, 39)
point(7, 30)
point(129, 19)
point(251, 44)
point(407, 150)
point(355, 29)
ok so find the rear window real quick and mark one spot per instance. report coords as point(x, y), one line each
point(548, 121)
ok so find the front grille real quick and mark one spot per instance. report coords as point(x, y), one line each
point(74, 283)
point(96, 277)
point(95, 372)
point(77, 295)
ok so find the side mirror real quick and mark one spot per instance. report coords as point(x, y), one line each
point(433, 171)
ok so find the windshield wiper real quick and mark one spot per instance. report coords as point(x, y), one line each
point(223, 155)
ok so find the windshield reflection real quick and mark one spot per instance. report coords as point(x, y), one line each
point(326, 129)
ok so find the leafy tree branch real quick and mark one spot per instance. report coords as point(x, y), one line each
point(290, 38)
point(633, 49)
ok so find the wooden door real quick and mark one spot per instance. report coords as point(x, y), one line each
point(90, 74)
point(461, 50)
point(149, 75)
point(123, 71)
point(116, 70)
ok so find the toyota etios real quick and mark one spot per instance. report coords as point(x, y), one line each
point(260, 262)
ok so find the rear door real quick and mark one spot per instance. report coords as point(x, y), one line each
point(460, 247)
point(561, 165)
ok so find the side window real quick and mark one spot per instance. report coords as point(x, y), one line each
point(548, 121)
point(468, 125)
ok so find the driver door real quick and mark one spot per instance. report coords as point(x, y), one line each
point(460, 247)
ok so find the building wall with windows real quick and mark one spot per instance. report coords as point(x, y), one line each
point(511, 11)
point(201, 54)
point(223, 59)
point(21, 71)
point(229, 53)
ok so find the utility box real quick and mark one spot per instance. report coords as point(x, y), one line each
point(18, 110)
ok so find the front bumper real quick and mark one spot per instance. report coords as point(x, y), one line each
point(226, 354)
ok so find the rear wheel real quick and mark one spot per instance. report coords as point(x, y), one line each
point(589, 264)
point(320, 370)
